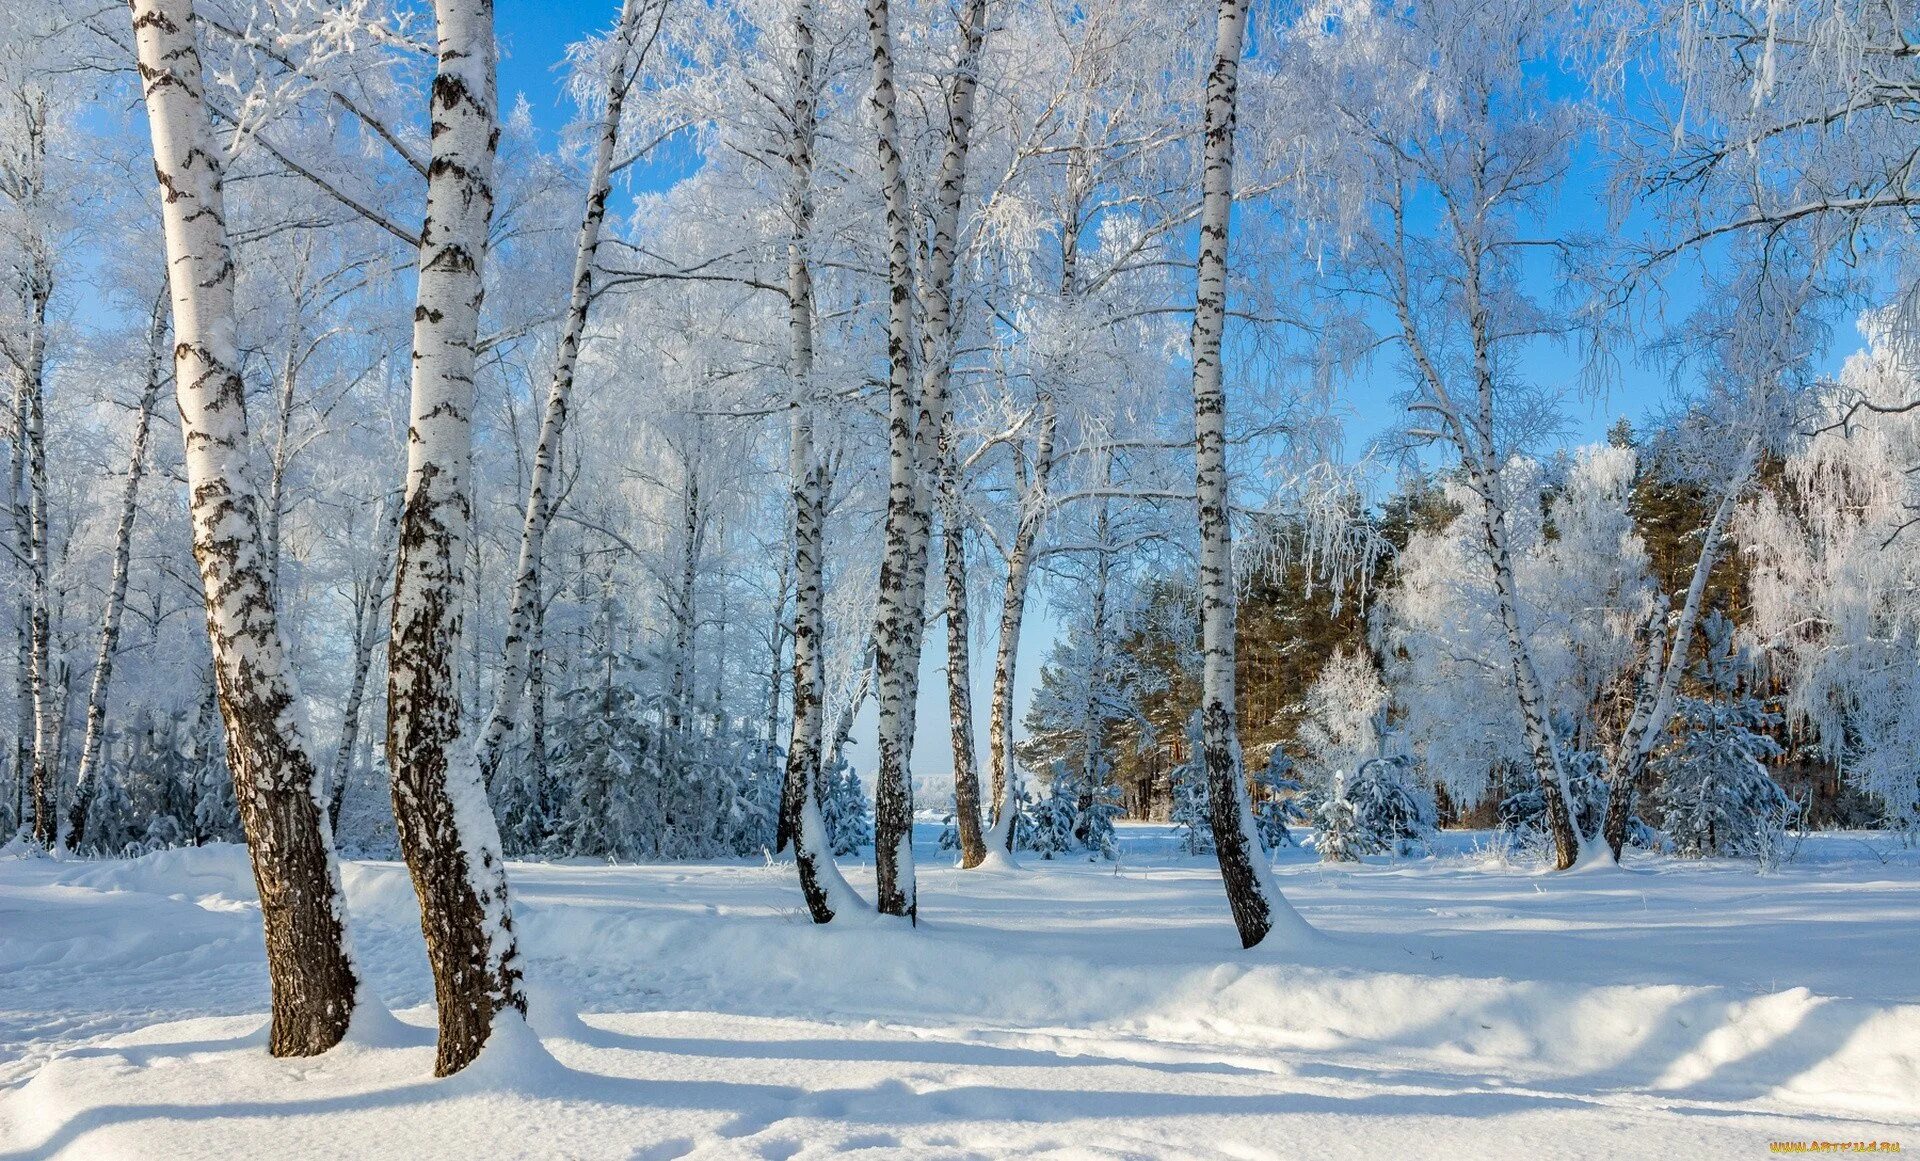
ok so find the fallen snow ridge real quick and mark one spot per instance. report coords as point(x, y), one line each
point(1454, 1008)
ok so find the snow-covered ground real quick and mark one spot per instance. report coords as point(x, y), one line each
point(1457, 1006)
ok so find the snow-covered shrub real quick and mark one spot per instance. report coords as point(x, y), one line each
point(1523, 814)
point(1392, 813)
point(1338, 839)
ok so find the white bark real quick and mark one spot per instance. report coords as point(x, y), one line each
point(539, 513)
point(820, 880)
point(447, 831)
point(1034, 501)
point(898, 627)
point(917, 431)
point(275, 779)
point(1254, 899)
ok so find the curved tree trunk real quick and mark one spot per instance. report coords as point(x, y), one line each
point(1034, 500)
point(447, 831)
point(533, 531)
point(86, 779)
point(275, 779)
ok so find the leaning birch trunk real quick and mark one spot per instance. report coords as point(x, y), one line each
point(801, 821)
point(1660, 683)
point(87, 777)
point(276, 782)
point(533, 531)
point(366, 620)
point(1484, 469)
point(1013, 612)
point(1541, 745)
point(1251, 893)
point(446, 830)
point(897, 628)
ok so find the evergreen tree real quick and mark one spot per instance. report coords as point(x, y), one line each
point(1279, 799)
point(849, 813)
point(1191, 808)
point(1380, 810)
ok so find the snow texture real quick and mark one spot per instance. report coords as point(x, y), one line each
point(1457, 1006)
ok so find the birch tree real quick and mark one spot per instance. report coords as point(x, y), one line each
point(1482, 148)
point(275, 779)
point(23, 182)
point(116, 602)
point(801, 822)
point(447, 831)
point(626, 55)
point(1252, 895)
point(902, 595)
point(1754, 343)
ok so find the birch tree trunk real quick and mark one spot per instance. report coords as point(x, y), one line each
point(680, 684)
point(898, 622)
point(447, 831)
point(1659, 683)
point(275, 780)
point(1484, 467)
point(31, 498)
point(86, 777)
point(801, 821)
point(966, 771)
point(1013, 612)
point(46, 706)
point(1251, 893)
point(539, 514)
point(1541, 745)
point(917, 433)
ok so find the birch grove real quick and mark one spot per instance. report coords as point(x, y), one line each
point(1448, 415)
